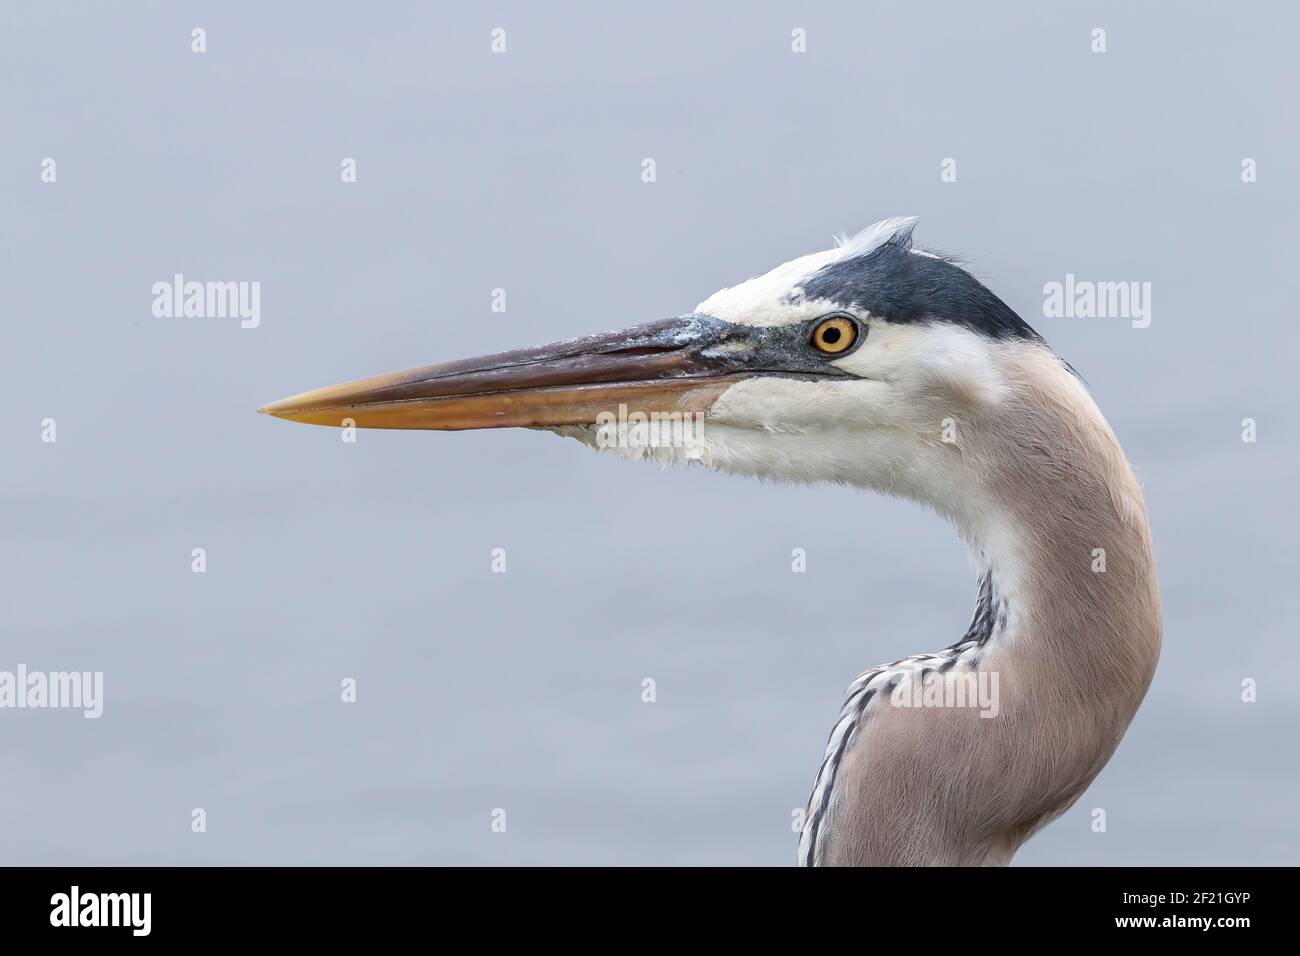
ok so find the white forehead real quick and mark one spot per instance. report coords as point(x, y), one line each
point(776, 297)
point(772, 298)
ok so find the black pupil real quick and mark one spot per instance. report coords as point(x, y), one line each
point(831, 336)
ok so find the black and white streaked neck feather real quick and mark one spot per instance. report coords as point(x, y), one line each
point(987, 623)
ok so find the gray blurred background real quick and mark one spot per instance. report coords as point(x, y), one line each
point(521, 171)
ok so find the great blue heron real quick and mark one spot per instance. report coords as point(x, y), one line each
point(880, 365)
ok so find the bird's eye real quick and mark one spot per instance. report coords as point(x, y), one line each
point(834, 335)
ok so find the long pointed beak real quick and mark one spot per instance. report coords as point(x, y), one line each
point(662, 367)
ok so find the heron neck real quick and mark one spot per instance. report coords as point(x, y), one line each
point(1060, 540)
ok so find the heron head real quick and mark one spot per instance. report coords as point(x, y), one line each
point(858, 364)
